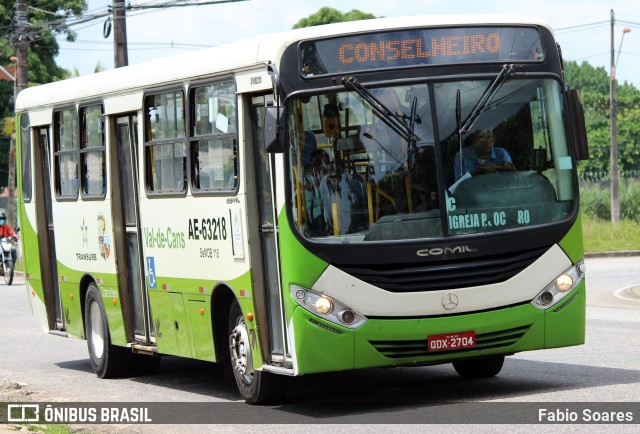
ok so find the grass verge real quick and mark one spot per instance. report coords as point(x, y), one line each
point(603, 236)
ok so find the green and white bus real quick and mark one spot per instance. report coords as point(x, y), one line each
point(289, 204)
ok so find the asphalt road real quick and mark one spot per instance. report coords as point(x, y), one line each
point(605, 369)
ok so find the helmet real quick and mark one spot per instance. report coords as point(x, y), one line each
point(3, 213)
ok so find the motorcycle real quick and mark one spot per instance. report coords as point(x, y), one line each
point(6, 244)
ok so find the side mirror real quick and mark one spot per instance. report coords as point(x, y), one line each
point(577, 125)
point(274, 129)
point(539, 161)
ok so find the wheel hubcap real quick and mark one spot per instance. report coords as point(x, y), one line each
point(241, 351)
point(97, 333)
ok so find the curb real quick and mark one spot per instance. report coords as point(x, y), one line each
point(612, 254)
point(631, 293)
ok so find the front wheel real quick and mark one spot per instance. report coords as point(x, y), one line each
point(107, 360)
point(479, 368)
point(256, 387)
point(8, 270)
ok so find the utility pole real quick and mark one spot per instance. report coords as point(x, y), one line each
point(120, 56)
point(613, 111)
point(21, 43)
point(22, 46)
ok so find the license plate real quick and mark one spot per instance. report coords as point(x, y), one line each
point(452, 341)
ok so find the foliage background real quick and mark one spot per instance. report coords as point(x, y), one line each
point(44, 24)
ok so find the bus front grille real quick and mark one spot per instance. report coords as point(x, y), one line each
point(444, 274)
point(418, 348)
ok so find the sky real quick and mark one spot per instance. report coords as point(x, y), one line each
point(582, 27)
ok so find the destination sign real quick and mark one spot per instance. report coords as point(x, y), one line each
point(419, 47)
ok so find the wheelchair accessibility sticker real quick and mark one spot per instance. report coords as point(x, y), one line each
point(151, 271)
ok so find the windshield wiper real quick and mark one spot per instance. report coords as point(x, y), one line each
point(484, 100)
point(386, 115)
point(480, 107)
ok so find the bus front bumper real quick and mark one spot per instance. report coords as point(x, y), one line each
point(322, 346)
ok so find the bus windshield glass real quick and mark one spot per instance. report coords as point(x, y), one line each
point(360, 173)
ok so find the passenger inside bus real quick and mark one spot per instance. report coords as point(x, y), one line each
point(314, 175)
point(309, 147)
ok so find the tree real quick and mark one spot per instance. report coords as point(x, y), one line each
point(329, 15)
point(35, 25)
point(76, 73)
point(628, 127)
point(46, 20)
point(593, 84)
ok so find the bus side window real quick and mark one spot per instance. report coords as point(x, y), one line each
point(213, 140)
point(66, 153)
point(92, 152)
point(165, 146)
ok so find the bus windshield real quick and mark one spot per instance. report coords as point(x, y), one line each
point(360, 173)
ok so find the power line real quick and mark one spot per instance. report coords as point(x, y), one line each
point(177, 4)
point(629, 22)
point(40, 31)
point(580, 26)
point(186, 44)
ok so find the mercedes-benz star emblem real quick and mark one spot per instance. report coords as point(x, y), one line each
point(449, 301)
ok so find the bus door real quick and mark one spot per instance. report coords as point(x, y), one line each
point(44, 219)
point(130, 268)
point(268, 294)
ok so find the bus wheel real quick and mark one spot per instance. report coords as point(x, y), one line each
point(479, 368)
point(107, 360)
point(256, 387)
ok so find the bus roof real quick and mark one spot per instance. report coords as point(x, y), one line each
point(236, 56)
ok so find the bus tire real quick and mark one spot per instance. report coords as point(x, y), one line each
point(479, 368)
point(107, 360)
point(255, 386)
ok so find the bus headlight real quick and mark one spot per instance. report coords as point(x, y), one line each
point(327, 307)
point(324, 305)
point(559, 288)
point(564, 283)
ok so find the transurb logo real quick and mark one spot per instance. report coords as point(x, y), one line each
point(104, 241)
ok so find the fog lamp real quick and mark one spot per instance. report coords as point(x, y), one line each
point(564, 283)
point(324, 305)
point(346, 316)
point(546, 298)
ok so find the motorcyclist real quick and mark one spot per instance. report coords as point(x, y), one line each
point(6, 231)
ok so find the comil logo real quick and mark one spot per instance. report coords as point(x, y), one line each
point(23, 413)
point(439, 251)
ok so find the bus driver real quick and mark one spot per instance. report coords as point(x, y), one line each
point(482, 156)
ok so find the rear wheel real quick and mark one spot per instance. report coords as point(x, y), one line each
point(8, 269)
point(479, 368)
point(256, 387)
point(107, 360)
